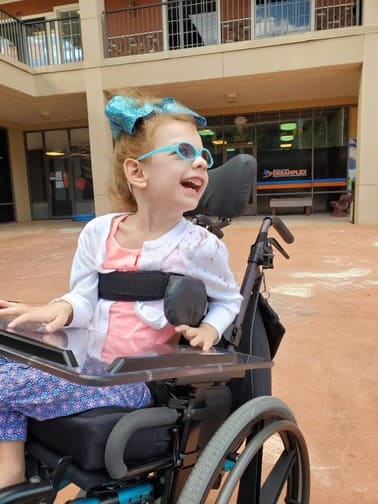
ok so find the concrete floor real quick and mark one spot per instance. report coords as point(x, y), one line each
point(326, 368)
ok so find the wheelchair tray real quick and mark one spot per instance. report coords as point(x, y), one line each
point(75, 354)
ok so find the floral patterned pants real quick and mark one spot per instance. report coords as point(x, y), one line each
point(29, 392)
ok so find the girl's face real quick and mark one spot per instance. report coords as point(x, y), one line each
point(172, 181)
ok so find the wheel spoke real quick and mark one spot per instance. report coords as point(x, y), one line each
point(277, 478)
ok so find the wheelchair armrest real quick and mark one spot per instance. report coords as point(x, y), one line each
point(125, 428)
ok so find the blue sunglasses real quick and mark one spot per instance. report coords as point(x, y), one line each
point(185, 151)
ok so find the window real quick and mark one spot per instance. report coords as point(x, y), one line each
point(279, 17)
point(192, 23)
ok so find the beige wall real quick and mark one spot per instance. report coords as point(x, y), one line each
point(369, 12)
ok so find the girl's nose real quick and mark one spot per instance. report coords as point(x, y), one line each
point(199, 163)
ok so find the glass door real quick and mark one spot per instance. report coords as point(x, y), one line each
point(60, 173)
point(59, 188)
point(59, 179)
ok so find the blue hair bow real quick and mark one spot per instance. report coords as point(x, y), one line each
point(124, 112)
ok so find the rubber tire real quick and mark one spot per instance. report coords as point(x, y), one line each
point(278, 419)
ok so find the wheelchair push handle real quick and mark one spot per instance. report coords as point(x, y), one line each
point(282, 230)
point(261, 250)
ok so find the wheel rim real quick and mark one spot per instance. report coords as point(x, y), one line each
point(281, 472)
point(265, 474)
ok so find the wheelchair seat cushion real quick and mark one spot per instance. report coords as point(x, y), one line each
point(83, 436)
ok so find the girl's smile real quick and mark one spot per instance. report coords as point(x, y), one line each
point(194, 184)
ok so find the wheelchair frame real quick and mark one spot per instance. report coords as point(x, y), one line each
point(217, 426)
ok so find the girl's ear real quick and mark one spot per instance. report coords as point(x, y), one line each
point(134, 173)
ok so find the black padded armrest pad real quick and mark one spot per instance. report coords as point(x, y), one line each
point(185, 301)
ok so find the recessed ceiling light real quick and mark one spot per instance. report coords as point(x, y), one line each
point(286, 138)
point(54, 153)
point(289, 126)
point(206, 132)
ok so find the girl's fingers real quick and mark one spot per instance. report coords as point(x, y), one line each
point(4, 303)
point(28, 317)
point(182, 328)
point(13, 310)
point(187, 331)
point(55, 324)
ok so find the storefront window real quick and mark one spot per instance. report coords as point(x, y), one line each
point(284, 153)
point(330, 149)
point(213, 138)
point(81, 165)
point(298, 152)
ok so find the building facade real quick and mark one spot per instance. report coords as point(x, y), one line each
point(291, 82)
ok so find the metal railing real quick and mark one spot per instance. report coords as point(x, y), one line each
point(178, 24)
point(331, 14)
point(48, 42)
point(171, 25)
point(134, 30)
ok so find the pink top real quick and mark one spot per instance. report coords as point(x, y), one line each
point(126, 330)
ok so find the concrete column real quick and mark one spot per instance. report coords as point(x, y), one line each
point(99, 130)
point(100, 140)
point(19, 175)
point(91, 31)
point(366, 204)
point(369, 12)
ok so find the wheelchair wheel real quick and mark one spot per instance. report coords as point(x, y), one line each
point(258, 455)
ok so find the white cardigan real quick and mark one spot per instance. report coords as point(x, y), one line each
point(185, 249)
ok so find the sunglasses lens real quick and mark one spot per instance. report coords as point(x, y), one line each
point(187, 151)
point(206, 156)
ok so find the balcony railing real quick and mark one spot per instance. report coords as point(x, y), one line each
point(178, 24)
point(48, 42)
point(331, 14)
point(172, 25)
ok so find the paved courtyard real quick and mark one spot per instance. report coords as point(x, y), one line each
point(326, 368)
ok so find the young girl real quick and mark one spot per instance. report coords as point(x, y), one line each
point(160, 172)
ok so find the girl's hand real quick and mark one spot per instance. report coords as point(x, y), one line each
point(203, 336)
point(54, 315)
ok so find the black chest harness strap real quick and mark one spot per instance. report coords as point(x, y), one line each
point(133, 285)
point(185, 299)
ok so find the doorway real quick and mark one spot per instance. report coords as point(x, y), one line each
point(231, 150)
point(70, 189)
point(59, 188)
point(6, 195)
point(60, 173)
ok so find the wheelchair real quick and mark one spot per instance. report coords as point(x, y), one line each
point(215, 433)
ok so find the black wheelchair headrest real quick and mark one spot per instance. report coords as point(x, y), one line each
point(229, 188)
